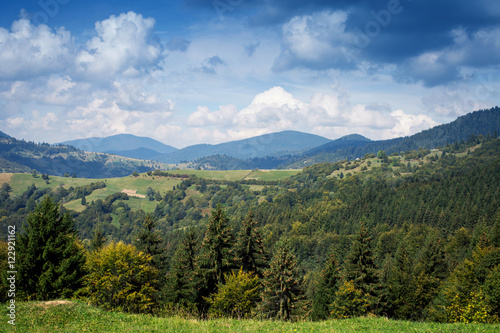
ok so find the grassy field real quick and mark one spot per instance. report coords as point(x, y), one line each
point(76, 316)
point(20, 182)
point(235, 175)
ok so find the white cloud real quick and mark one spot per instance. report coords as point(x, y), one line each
point(329, 115)
point(407, 124)
point(28, 51)
point(123, 45)
point(203, 116)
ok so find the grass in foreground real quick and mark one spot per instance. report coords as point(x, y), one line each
point(76, 316)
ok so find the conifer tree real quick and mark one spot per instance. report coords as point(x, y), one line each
point(149, 241)
point(281, 292)
point(361, 268)
point(399, 285)
point(328, 284)
point(98, 240)
point(429, 272)
point(216, 256)
point(249, 249)
point(50, 257)
point(181, 285)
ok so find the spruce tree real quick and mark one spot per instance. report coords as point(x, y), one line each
point(98, 240)
point(328, 284)
point(250, 253)
point(281, 292)
point(181, 284)
point(50, 257)
point(216, 257)
point(361, 268)
point(149, 241)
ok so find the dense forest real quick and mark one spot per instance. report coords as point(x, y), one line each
point(403, 239)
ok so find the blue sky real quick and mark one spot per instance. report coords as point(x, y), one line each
point(209, 71)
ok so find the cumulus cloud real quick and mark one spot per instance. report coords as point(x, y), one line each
point(102, 117)
point(331, 115)
point(27, 51)
point(123, 43)
point(203, 116)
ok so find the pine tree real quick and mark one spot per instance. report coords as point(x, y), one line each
point(328, 284)
point(399, 285)
point(149, 241)
point(281, 292)
point(361, 268)
point(429, 272)
point(50, 257)
point(216, 257)
point(181, 284)
point(250, 255)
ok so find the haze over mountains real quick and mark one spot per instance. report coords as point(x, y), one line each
point(274, 144)
point(124, 145)
point(288, 149)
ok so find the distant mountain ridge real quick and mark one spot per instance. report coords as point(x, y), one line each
point(273, 144)
point(127, 145)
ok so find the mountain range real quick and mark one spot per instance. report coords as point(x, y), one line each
point(287, 149)
point(124, 145)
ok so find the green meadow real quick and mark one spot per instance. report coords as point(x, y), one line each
point(77, 316)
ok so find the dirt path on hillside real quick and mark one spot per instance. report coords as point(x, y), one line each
point(133, 193)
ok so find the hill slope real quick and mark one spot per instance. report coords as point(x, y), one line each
point(22, 156)
point(481, 122)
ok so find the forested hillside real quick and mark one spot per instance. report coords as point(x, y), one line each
point(411, 236)
point(476, 123)
point(23, 156)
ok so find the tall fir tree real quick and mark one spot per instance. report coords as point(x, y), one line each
point(149, 241)
point(51, 260)
point(328, 284)
point(281, 285)
point(360, 268)
point(180, 287)
point(216, 258)
point(399, 284)
point(250, 255)
point(429, 272)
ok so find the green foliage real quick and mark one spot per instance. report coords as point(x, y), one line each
point(350, 301)
point(181, 285)
point(328, 285)
point(249, 248)
point(149, 241)
point(237, 297)
point(216, 257)
point(120, 277)
point(361, 270)
point(50, 257)
point(281, 285)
